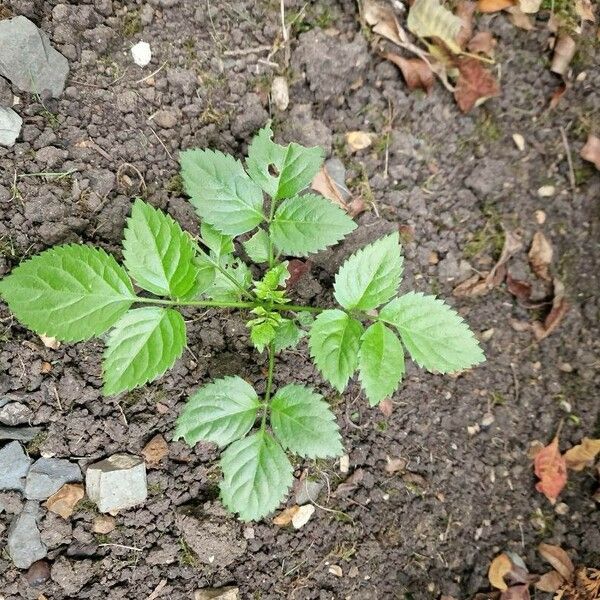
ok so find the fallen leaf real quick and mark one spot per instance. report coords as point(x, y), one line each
point(428, 18)
point(326, 186)
point(560, 307)
point(489, 6)
point(285, 516)
point(63, 502)
point(530, 6)
point(558, 93)
point(540, 255)
point(302, 515)
point(475, 84)
point(546, 191)
point(350, 484)
point(336, 570)
point(416, 72)
point(474, 286)
point(386, 407)
point(591, 150)
point(564, 51)
point(584, 9)
point(384, 22)
point(464, 11)
point(516, 592)
point(499, 567)
point(558, 558)
point(155, 450)
point(104, 524)
point(583, 455)
point(519, 19)
point(50, 342)
point(588, 581)
point(518, 288)
point(551, 469)
point(358, 140)
point(280, 94)
point(550, 582)
point(483, 42)
point(394, 465)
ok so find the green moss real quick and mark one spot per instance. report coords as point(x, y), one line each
point(490, 238)
point(132, 23)
point(488, 128)
point(187, 557)
point(33, 447)
point(175, 185)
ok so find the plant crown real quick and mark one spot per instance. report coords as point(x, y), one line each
point(75, 292)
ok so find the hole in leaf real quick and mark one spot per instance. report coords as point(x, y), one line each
point(273, 170)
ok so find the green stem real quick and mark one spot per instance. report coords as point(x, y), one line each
point(197, 303)
point(271, 351)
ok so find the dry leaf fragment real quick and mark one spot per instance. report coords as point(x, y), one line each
point(583, 455)
point(540, 255)
point(559, 309)
point(483, 42)
point(464, 12)
point(280, 93)
point(475, 84)
point(358, 140)
point(155, 450)
point(336, 570)
point(558, 558)
point(384, 22)
point(591, 150)
point(302, 515)
point(394, 465)
point(518, 288)
point(564, 51)
point(326, 186)
point(530, 6)
point(558, 93)
point(499, 567)
point(516, 592)
point(285, 516)
point(551, 469)
point(490, 6)
point(104, 524)
point(63, 502)
point(428, 18)
point(350, 484)
point(584, 9)
point(416, 72)
point(550, 582)
point(386, 407)
point(519, 19)
point(50, 342)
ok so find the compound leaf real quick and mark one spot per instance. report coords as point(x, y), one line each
point(158, 254)
point(281, 171)
point(380, 362)
point(222, 411)
point(256, 476)
point(308, 223)
point(72, 292)
point(436, 337)
point(223, 289)
point(287, 335)
point(144, 343)
point(334, 342)
point(219, 243)
point(262, 334)
point(257, 247)
point(303, 422)
point(221, 192)
point(370, 276)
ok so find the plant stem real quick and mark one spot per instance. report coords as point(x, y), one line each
point(271, 351)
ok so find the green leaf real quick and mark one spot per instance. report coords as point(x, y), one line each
point(287, 335)
point(380, 362)
point(219, 243)
point(223, 289)
point(303, 422)
point(274, 278)
point(72, 292)
point(282, 171)
point(256, 476)
point(428, 18)
point(144, 343)
point(221, 192)
point(220, 412)
point(206, 275)
point(158, 254)
point(308, 223)
point(334, 342)
point(257, 247)
point(370, 276)
point(262, 335)
point(434, 334)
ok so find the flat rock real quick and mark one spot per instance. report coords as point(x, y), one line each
point(225, 593)
point(48, 475)
point(10, 124)
point(14, 464)
point(22, 434)
point(24, 542)
point(15, 413)
point(117, 482)
point(28, 60)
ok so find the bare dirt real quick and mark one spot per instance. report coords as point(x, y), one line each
point(452, 181)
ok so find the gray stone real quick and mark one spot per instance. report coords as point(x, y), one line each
point(28, 60)
point(15, 413)
point(308, 491)
point(6, 95)
point(14, 464)
point(117, 482)
point(225, 593)
point(48, 475)
point(22, 434)
point(166, 118)
point(10, 125)
point(24, 542)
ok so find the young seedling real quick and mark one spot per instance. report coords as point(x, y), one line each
point(75, 292)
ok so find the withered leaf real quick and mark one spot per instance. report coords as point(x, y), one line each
point(383, 21)
point(464, 11)
point(429, 19)
point(591, 150)
point(583, 455)
point(585, 10)
point(560, 307)
point(516, 592)
point(519, 19)
point(285, 516)
point(558, 93)
point(483, 42)
point(564, 51)
point(550, 582)
point(358, 140)
point(518, 288)
point(540, 255)
point(551, 469)
point(416, 72)
point(475, 84)
point(350, 484)
point(155, 450)
point(326, 186)
point(386, 407)
point(499, 567)
point(558, 558)
point(490, 6)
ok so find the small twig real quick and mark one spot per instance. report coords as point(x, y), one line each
point(152, 74)
point(569, 158)
point(246, 51)
point(123, 166)
point(162, 143)
point(123, 547)
point(157, 590)
point(515, 381)
point(122, 414)
point(58, 399)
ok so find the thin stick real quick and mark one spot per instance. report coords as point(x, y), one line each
point(152, 74)
point(569, 158)
point(246, 51)
point(157, 590)
point(123, 547)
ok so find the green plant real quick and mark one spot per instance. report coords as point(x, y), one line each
point(75, 292)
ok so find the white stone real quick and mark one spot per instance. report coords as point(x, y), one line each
point(280, 93)
point(142, 54)
point(302, 515)
point(10, 126)
point(117, 482)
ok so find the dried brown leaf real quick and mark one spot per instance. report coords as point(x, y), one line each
point(383, 21)
point(583, 455)
point(516, 592)
point(564, 51)
point(519, 19)
point(550, 582)
point(558, 93)
point(585, 10)
point(550, 468)
point(558, 558)
point(416, 72)
point(540, 255)
point(358, 140)
point(518, 288)
point(483, 42)
point(386, 407)
point(285, 516)
point(465, 11)
point(326, 186)
point(490, 6)
point(475, 84)
point(155, 450)
point(591, 150)
point(64, 501)
point(560, 307)
point(350, 484)
point(499, 567)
